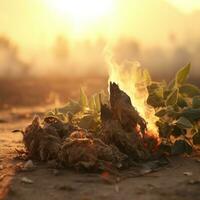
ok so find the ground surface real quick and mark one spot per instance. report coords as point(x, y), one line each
point(167, 183)
point(39, 91)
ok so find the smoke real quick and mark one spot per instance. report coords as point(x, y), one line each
point(155, 33)
point(85, 57)
point(11, 64)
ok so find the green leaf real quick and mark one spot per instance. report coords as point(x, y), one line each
point(184, 123)
point(189, 90)
point(183, 74)
point(71, 107)
point(161, 112)
point(155, 87)
point(171, 84)
point(97, 102)
point(155, 100)
point(166, 93)
point(155, 97)
point(172, 98)
point(182, 101)
point(177, 131)
point(181, 147)
point(164, 129)
point(196, 102)
point(191, 114)
point(172, 113)
point(196, 138)
point(83, 99)
point(92, 103)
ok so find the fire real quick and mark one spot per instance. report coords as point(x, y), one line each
point(134, 80)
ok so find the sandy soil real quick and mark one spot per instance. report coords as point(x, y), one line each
point(167, 183)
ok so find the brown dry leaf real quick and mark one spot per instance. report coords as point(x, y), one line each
point(41, 143)
point(124, 111)
point(80, 150)
point(129, 143)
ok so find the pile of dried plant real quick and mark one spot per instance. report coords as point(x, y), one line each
point(91, 135)
point(108, 133)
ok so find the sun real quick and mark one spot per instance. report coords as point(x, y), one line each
point(82, 13)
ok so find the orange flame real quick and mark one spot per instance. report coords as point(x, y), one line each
point(134, 80)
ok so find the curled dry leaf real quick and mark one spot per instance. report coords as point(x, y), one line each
point(81, 150)
point(41, 143)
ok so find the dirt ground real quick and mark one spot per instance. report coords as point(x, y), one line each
point(178, 180)
point(169, 182)
point(46, 90)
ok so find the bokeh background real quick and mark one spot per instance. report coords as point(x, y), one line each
point(50, 48)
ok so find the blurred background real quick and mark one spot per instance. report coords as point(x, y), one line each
point(50, 48)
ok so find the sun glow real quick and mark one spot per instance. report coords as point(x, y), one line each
point(81, 13)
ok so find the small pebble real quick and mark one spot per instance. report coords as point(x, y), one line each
point(188, 173)
point(1, 167)
point(197, 160)
point(193, 182)
point(26, 180)
point(29, 165)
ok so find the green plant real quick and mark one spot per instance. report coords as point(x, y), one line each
point(177, 105)
point(84, 113)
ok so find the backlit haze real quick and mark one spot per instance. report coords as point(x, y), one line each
point(56, 36)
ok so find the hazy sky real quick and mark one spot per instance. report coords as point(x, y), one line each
point(186, 5)
point(35, 23)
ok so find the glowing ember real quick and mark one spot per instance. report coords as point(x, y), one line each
point(134, 80)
